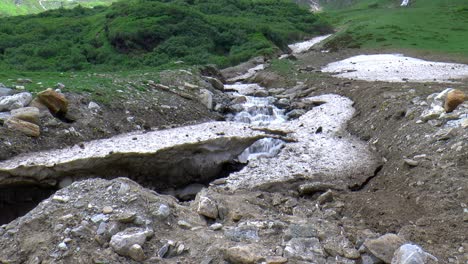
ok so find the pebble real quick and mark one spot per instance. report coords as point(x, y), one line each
point(411, 162)
point(180, 249)
point(216, 226)
point(184, 224)
point(62, 199)
point(126, 217)
point(465, 215)
point(62, 246)
point(99, 218)
point(107, 210)
point(136, 253)
point(163, 251)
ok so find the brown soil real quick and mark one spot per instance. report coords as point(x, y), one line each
point(424, 203)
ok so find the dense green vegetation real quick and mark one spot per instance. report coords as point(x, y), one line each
point(432, 25)
point(138, 33)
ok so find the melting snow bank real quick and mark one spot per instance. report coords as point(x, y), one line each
point(163, 158)
point(322, 152)
point(306, 45)
point(396, 68)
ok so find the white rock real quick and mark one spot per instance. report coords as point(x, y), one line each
point(94, 106)
point(15, 101)
point(411, 254)
point(123, 241)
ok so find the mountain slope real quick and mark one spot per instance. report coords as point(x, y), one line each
point(24, 7)
point(153, 33)
point(436, 25)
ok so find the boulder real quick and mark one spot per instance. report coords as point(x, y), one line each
point(28, 114)
point(4, 91)
point(207, 207)
point(215, 83)
point(122, 242)
point(412, 254)
point(10, 102)
point(206, 98)
point(242, 254)
point(453, 100)
point(43, 110)
point(384, 247)
point(24, 127)
point(56, 102)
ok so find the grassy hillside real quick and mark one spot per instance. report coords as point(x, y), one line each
point(433, 25)
point(24, 7)
point(140, 33)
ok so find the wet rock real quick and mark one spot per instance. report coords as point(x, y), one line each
point(56, 102)
point(384, 247)
point(239, 100)
point(411, 254)
point(207, 207)
point(123, 241)
point(215, 83)
point(28, 114)
point(296, 113)
point(454, 99)
point(10, 102)
point(370, 259)
point(283, 103)
point(136, 253)
point(24, 127)
point(242, 254)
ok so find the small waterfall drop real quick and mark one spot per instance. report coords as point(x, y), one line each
point(258, 111)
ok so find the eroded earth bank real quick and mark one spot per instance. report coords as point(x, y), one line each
point(348, 170)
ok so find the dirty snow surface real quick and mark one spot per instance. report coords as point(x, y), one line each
point(396, 68)
point(306, 45)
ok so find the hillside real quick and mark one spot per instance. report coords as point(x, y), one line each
point(25, 7)
point(436, 26)
point(153, 33)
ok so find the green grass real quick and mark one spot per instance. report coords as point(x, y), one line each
point(152, 33)
point(25, 7)
point(432, 25)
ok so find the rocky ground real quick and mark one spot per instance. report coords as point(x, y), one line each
point(417, 196)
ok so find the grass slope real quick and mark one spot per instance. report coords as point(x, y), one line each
point(432, 25)
point(152, 33)
point(25, 7)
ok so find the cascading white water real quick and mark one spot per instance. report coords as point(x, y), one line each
point(259, 111)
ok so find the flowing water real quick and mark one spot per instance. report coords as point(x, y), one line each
point(257, 111)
